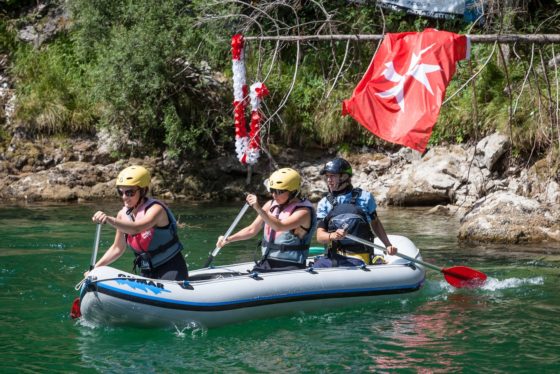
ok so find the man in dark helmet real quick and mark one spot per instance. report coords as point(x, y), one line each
point(346, 209)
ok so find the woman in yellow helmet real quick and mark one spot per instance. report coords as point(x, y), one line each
point(145, 225)
point(288, 221)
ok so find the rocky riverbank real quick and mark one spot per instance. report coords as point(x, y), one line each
point(494, 201)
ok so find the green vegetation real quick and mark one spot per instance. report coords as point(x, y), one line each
point(53, 98)
point(159, 77)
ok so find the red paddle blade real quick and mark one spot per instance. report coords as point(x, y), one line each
point(75, 310)
point(462, 276)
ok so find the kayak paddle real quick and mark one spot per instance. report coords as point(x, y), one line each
point(214, 253)
point(457, 276)
point(95, 246)
point(75, 310)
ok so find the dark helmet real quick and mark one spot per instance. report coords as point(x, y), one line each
point(337, 166)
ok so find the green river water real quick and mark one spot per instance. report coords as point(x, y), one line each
point(510, 325)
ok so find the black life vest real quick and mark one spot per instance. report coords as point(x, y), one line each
point(353, 219)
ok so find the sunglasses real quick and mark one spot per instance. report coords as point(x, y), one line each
point(277, 192)
point(128, 193)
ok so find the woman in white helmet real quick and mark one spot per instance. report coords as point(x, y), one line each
point(145, 225)
point(288, 222)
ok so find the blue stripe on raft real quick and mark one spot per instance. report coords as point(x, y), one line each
point(257, 301)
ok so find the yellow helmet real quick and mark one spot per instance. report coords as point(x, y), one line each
point(134, 176)
point(284, 179)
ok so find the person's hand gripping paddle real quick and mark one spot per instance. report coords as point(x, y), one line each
point(216, 250)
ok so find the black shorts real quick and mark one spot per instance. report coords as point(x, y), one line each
point(174, 269)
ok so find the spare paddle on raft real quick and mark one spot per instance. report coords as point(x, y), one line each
point(75, 310)
point(457, 276)
point(214, 253)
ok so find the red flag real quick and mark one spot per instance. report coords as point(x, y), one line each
point(400, 95)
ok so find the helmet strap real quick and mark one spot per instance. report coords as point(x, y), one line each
point(143, 193)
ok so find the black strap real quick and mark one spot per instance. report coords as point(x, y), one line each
point(356, 193)
point(165, 246)
point(332, 200)
point(139, 257)
point(331, 254)
point(147, 256)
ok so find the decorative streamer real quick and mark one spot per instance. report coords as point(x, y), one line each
point(247, 147)
point(258, 91)
point(239, 95)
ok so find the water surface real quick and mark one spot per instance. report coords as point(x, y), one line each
point(509, 325)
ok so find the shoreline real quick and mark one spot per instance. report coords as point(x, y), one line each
point(494, 201)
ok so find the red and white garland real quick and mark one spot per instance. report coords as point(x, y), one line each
point(239, 94)
point(258, 91)
point(246, 147)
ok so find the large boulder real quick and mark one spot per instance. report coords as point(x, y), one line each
point(430, 180)
point(504, 217)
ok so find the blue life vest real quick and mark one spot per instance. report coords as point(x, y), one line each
point(285, 245)
point(157, 245)
point(350, 217)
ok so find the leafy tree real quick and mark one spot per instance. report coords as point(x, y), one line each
point(142, 78)
point(158, 77)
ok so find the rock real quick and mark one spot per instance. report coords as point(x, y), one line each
point(430, 180)
point(490, 149)
point(551, 194)
point(378, 164)
point(28, 34)
point(50, 18)
point(511, 205)
point(508, 218)
point(64, 182)
point(102, 190)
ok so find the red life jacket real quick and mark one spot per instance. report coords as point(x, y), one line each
point(156, 245)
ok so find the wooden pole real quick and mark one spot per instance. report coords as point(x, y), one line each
point(488, 38)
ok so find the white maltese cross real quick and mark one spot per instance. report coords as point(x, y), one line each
point(415, 70)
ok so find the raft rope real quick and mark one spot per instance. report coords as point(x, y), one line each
point(78, 286)
point(186, 283)
point(89, 280)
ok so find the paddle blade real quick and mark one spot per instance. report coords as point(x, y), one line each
point(75, 310)
point(462, 276)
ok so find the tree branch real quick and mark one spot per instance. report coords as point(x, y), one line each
point(487, 38)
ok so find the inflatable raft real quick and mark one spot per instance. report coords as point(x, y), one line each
point(229, 294)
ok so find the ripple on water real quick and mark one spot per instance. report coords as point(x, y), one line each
point(493, 284)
